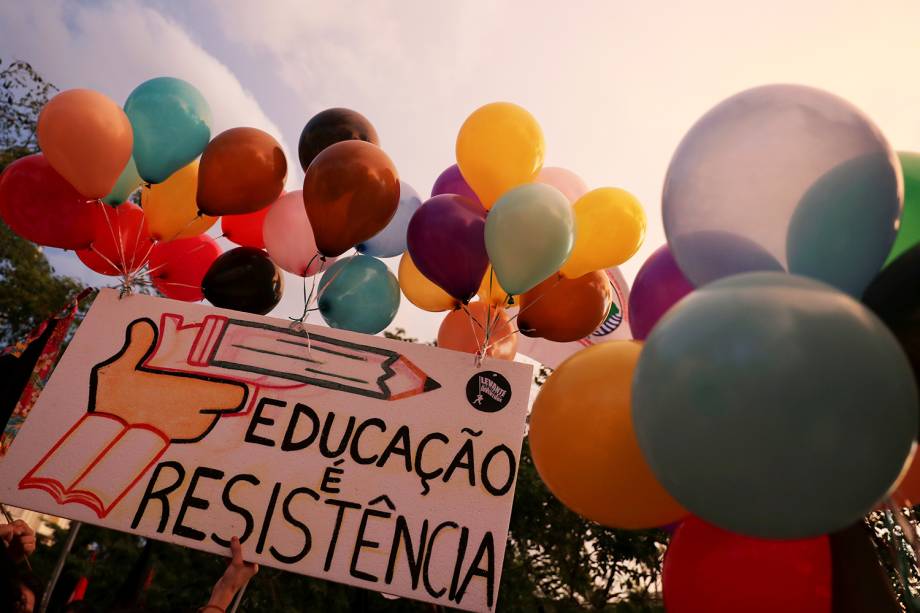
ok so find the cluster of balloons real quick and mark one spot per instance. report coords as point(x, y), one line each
point(769, 397)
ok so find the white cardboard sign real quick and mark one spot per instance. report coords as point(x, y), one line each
point(377, 463)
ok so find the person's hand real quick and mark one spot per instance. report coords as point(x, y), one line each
point(238, 573)
point(19, 538)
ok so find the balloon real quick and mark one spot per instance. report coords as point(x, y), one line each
point(451, 181)
point(171, 209)
point(242, 170)
point(566, 181)
point(391, 241)
point(565, 310)
point(465, 330)
point(609, 228)
point(445, 239)
point(39, 205)
point(178, 267)
point(774, 406)
point(172, 126)
point(584, 446)
point(128, 181)
point(491, 291)
point(614, 328)
point(121, 241)
point(420, 291)
point(245, 230)
point(708, 570)
point(359, 294)
point(795, 172)
point(351, 192)
point(243, 279)
point(909, 224)
point(499, 146)
point(87, 138)
point(658, 286)
point(289, 237)
point(333, 126)
point(541, 215)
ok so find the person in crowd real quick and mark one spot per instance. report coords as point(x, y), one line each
point(19, 588)
point(238, 573)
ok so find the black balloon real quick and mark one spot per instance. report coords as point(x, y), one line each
point(332, 126)
point(244, 279)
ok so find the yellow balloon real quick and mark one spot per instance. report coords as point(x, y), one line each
point(585, 448)
point(420, 291)
point(609, 228)
point(499, 146)
point(171, 209)
point(491, 291)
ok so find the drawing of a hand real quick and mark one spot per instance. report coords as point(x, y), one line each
point(183, 406)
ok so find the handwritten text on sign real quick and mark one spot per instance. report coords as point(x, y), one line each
point(372, 462)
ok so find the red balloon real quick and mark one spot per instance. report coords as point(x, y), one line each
point(39, 205)
point(245, 230)
point(121, 241)
point(709, 570)
point(177, 267)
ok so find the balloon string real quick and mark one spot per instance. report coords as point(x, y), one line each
point(510, 334)
point(198, 216)
point(477, 358)
point(307, 299)
point(119, 246)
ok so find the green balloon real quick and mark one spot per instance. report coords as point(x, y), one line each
point(529, 235)
point(172, 126)
point(774, 406)
point(359, 294)
point(128, 181)
point(909, 228)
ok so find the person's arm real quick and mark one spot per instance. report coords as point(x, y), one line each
point(238, 573)
point(19, 538)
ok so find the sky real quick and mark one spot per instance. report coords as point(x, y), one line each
point(614, 84)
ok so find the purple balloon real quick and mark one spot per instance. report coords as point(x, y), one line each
point(446, 239)
point(452, 182)
point(658, 286)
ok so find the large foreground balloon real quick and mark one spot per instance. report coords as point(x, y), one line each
point(529, 234)
point(330, 127)
point(909, 223)
point(359, 294)
point(451, 181)
point(445, 239)
point(87, 138)
point(241, 171)
point(772, 405)
point(658, 286)
point(584, 446)
point(178, 267)
point(565, 310)
point(39, 205)
point(244, 279)
point(171, 209)
point(391, 241)
point(465, 330)
point(708, 570)
point(351, 191)
point(289, 238)
point(421, 291)
point(500, 146)
point(121, 240)
point(783, 177)
point(172, 126)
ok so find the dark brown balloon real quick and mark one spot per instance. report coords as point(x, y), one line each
point(333, 126)
point(351, 192)
point(564, 310)
point(242, 170)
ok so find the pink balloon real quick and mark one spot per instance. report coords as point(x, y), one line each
point(564, 180)
point(289, 236)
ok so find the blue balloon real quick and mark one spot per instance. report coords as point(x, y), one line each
point(172, 126)
point(391, 241)
point(359, 294)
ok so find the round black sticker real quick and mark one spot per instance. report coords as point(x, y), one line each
point(488, 391)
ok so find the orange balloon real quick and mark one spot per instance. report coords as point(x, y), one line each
point(87, 139)
point(585, 448)
point(351, 191)
point(565, 310)
point(491, 291)
point(907, 494)
point(241, 171)
point(465, 330)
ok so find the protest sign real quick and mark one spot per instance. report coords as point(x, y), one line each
point(372, 462)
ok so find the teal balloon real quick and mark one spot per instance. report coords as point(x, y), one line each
point(774, 406)
point(529, 235)
point(128, 182)
point(172, 126)
point(359, 294)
